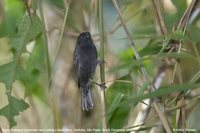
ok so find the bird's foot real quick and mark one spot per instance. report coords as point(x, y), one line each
point(99, 62)
point(101, 85)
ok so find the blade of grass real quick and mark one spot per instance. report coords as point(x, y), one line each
point(164, 91)
point(62, 31)
point(56, 110)
point(193, 80)
point(46, 49)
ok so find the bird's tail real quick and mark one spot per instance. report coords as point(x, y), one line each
point(86, 99)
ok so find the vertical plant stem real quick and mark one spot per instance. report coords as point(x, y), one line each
point(56, 113)
point(62, 31)
point(102, 66)
point(55, 107)
point(59, 42)
point(46, 49)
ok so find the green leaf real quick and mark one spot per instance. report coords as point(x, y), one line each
point(26, 32)
point(12, 71)
point(143, 88)
point(177, 35)
point(152, 48)
point(171, 19)
point(35, 29)
point(125, 68)
point(165, 44)
point(35, 67)
point(118, 98)
point(181, 5)
point(126, 55)
point(14, 11)
point(8, 74)
point(164, 91)
point(2, 30)
point(115, 95)
point(14, 107)
point(193, 34)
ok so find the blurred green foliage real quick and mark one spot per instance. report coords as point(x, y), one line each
point(14, 11)
point(117, 114)
point(21, 29)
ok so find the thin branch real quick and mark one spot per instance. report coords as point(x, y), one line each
point(185, 18)
point(195, 12)
point(146, 76)
point(143, 114)
point(160, 18)
point(102, 66)
point(1, 130)
point(143, 70)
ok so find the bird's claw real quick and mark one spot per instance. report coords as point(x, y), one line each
point(101, 85)
point(101, 62)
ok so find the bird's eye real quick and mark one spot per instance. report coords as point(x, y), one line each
point(87, 34)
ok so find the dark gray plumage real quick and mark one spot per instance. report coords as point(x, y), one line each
point(85, 61)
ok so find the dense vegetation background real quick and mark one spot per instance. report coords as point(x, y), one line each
point(151, 50)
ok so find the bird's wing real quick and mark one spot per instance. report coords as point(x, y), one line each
point(76, 64)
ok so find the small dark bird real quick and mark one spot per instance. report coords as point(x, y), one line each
point(85, 62)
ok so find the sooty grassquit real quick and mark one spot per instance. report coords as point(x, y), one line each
point(85, 62)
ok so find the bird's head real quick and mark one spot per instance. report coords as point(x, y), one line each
point(84, 36)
